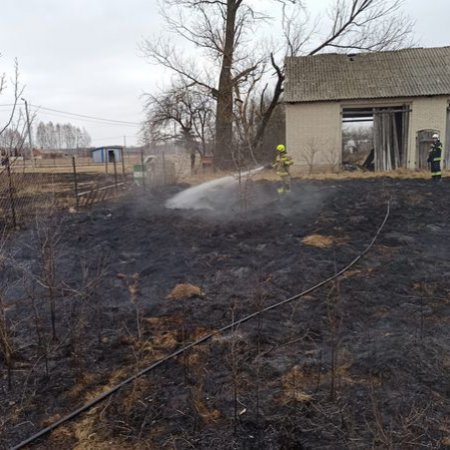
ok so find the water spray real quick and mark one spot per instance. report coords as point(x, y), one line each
point(211, 194)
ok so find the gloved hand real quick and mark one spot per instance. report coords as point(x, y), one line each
point(268, 166)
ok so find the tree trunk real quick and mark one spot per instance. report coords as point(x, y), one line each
point(273, 104)
point(224, 113)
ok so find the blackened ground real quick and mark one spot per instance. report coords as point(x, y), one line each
point(363, 362)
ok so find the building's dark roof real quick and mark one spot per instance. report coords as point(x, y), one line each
point(107, 147)
point(412, 72)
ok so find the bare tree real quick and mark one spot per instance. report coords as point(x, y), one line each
point(182, 110)
point(18, 91)
point(51, 136)
point(309, 154)
point(12, 131)
point(220, 28)
point(354, 25)
point(48, 237)
point(42, 139)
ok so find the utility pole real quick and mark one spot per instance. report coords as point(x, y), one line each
point(29, 129)
point(123, 155)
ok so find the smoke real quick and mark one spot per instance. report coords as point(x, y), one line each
point(216, 195)
point(231, 196)
point(207, 195)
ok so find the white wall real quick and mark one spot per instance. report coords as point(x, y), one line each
point(314, 130)
point(428, 113)
point(314, 134)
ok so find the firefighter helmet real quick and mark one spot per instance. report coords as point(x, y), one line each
point(281, 148)
point(435, 136)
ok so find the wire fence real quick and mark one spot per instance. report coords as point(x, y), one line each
point(31, 188)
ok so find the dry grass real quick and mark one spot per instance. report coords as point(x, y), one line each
point(270, 175)
point(83, 383)
point(208, 415)
point(84, 432)
point(184, 291)
point(299, 383)
point(83, 165)
point(358, 273)
point(317, 240)
point(167, 340)
point(295, 383)
point(401, 174)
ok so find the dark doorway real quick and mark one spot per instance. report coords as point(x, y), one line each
point(111, 156)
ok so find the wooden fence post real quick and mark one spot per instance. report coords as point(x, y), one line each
point(115, 174)
point(143, 169)
point(11, 193)
point(75, 181)
point(123, 163)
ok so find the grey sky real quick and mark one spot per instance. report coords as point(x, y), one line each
point(82, 56)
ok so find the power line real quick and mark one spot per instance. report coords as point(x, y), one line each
point(112, 137)
point(122, 122)
point(84, 116)
point(95, 121)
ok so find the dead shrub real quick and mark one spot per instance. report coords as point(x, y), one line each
point(132, 284)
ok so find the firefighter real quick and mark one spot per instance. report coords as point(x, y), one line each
point(435, 158)
point(282, 163)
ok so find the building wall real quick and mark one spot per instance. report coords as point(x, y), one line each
point(97, 156)
point(100, 155)
point(314, 135)
point(428, 113)
point(314, 130)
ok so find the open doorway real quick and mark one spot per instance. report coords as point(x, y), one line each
point(384, 130)
point(357, 139)
point(111, 156)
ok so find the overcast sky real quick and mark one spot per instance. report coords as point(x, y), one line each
point(82, 56)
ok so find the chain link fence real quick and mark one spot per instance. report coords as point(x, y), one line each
point(30, 188)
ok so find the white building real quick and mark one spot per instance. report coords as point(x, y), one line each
point(406, 93)
point(107, 154)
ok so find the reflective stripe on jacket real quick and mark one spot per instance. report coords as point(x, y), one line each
point(435, 154)
point(282, 163)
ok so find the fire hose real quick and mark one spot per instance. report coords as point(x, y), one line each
point(205, 338)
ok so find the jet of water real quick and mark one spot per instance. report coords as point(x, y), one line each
point(212, 195)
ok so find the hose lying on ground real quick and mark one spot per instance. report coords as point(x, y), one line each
point(228, 327)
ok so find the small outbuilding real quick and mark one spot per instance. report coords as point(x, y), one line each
point(404, 94)
point(107, 154)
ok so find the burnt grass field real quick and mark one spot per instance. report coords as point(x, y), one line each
point(363, 362)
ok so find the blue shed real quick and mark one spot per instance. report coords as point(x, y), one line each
point(107, 154)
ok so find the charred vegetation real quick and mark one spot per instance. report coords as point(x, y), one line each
point(363, 362)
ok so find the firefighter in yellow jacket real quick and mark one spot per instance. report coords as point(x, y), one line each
point(282, 163)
